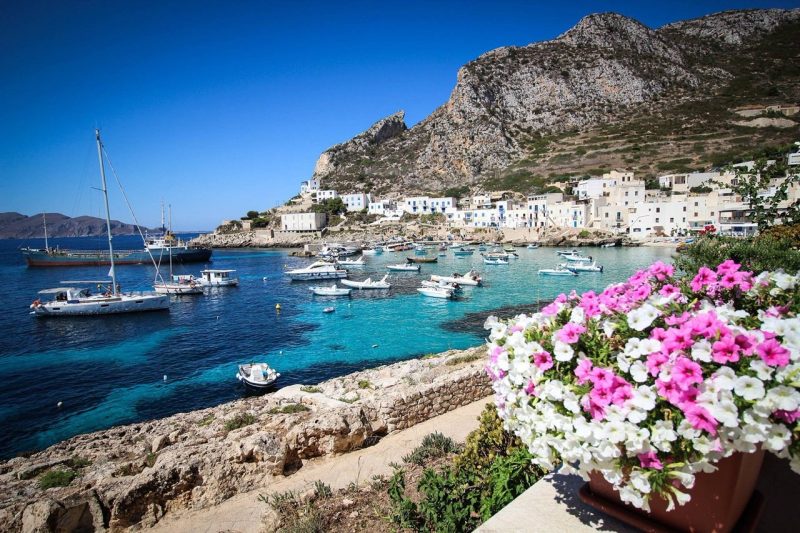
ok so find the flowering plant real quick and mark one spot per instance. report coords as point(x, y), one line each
point(655, 379)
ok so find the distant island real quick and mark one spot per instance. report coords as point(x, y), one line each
point(18, 226)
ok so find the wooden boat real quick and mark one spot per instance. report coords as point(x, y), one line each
point(463, 251)
point(217, 278)
point(422, 259)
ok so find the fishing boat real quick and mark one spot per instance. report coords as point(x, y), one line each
point(218, 278)
point(352, 262)
point(582, 267)
point(77, 301)
point(422, 259)
point(177, 285)
point(368, 283)
point(494, 261)
point(435, 292)
point(333, 290)
point(404, 267)
point(317, 270)
point(559, 271)
point(463, 251)
point(398, 247)
point(258, 376)
point(470, 278)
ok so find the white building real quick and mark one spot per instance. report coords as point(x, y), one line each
point(665, 218)
point(382, 208)
point(594, 188)
point(325, 194)
point(539, 207)
point(303, 221)
point(309, 186)
point(423, 205)
point(356, 201)
point(569, 214)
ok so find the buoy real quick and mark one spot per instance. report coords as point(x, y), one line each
point(277, 307)
point(165, 377)
point(59, 404)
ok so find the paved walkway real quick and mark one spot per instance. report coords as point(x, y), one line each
point(243, 513)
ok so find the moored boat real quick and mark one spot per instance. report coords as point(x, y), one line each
point(556, 272)
point(463, 251)
point(333, 290)
point(435, 292)
point(317, 270)
point(422, 259)
point(404, 267)
point(582, 267)
point(470, 278)
point(352, 262)
point(368, 283)
point(257, 375)
point(217, 278)
point(495, 261)
point(532, 246)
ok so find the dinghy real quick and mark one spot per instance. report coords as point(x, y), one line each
point(333, 290)
point(455, 287)
point(352, 262)
point(422, 259)
point(257, 375)
point(368, 283)
point(470, 278)
point(435, 292)
point(582, 267)
point(407, 267)
point(556, 272)
point(495, 261)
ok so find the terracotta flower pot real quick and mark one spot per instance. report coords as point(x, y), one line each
point(719, 500)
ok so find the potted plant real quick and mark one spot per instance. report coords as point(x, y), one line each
point(651, 385)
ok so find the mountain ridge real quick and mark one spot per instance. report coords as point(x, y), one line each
point(15, 225)
point(513, 107)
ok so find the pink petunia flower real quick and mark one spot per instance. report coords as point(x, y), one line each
point(686, 373)
point(583, 370)
point(705, 276)
point(543, 360)
point(650, 460)
point(725, 350)
point(530, 389)
point(790, 417)
point(699, 418)
point(570, 333)
point(773, 353)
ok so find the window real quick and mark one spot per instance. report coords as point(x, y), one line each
point(671, 219)
point(695, 204)
point(658, 209)
point(684, 209)
point(695, 214)
point(606, 214)
point(656, 220)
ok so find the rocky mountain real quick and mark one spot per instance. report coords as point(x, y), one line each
point(19, 226)
point(609, 92)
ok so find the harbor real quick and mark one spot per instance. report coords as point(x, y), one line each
point(126, 369)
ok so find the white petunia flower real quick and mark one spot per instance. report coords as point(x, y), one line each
point(748, 388)
point(562, 351)
point(638, 372)
point(641, 318)
point(701, 351)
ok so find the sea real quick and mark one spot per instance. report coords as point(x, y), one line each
point(66, 376)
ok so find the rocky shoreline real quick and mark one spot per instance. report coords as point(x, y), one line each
point(129, 477)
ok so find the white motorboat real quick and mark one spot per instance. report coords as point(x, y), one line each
point(556, 272)
point(455, 287)
point(470, 278)
point(75, 301)
point(352, 262)
point(217, 278)
point(257, 375)
point(495, 261)
point(333, 290)
point(317, 270)
point(609, 245)
point(368, 283)
point(532, 246)
point(574, 251)
point(577, 258)
point(497, 255)
point(582, 267)
point(404, 267)
point(435, 292)
point(372, 251)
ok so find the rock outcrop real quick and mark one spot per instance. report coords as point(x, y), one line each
point(129, 477)
point(608, 69)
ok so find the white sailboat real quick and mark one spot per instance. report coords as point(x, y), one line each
point(176, 284)
point(77, 301)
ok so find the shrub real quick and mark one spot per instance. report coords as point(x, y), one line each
point(57, 478)
point(76, 463)
point(364, 384)
point(768, 252)
point(310, 388)
point(239, 421)
point(289, 409)
point(150, 460)
point(434, 445)
point(322, 490)
point(206, 420)
point(584, 234)
point(466, 358)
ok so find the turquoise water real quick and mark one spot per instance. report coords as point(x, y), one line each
point(109, 371)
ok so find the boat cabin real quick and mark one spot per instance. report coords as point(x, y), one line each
point(67, 294)
point(216, 276)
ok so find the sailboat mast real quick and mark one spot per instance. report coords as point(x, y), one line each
point(44, 223)
point(170, 242)
point(113, 271)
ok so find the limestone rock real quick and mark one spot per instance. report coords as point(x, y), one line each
point(159, 442)
point(41, 516)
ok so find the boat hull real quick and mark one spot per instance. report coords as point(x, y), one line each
point(108, 306)
point(42, 258)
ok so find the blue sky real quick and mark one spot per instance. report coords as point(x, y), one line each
point(221, 107)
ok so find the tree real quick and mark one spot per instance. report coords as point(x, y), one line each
point(752, 184)
point(331, 206)
point(252, 214)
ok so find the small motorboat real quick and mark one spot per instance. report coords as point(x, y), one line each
point(470, 278)
point(609, 245)
point(436, 292)
point(510, 249)
point(560, 271)
point(257, 375)
point(582, 267)
point(455, 287)
point(463, 251)
point(422, 259)
point(333, 290)
point(329, 310)
point(352, 262)
point(481, 248)
point(495, 261)
point(532, 246)
point(574, 251)
point(372, 251)
point(368, 283)
point(317, 270)
point(406, 267)
point(578, 258)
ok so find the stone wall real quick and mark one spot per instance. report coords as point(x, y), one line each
point(131, 476)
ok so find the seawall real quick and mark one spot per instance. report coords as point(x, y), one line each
point(131, 476)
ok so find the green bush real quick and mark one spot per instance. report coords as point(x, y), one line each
point(289, 409)
point(364, 384)
point(433, 445)
point(239, 421)
point(466, 358)
point(584, 234)
point(766, 252)
point(310, 388)
point(57, 478)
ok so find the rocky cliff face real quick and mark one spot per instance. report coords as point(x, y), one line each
point(605, 70)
